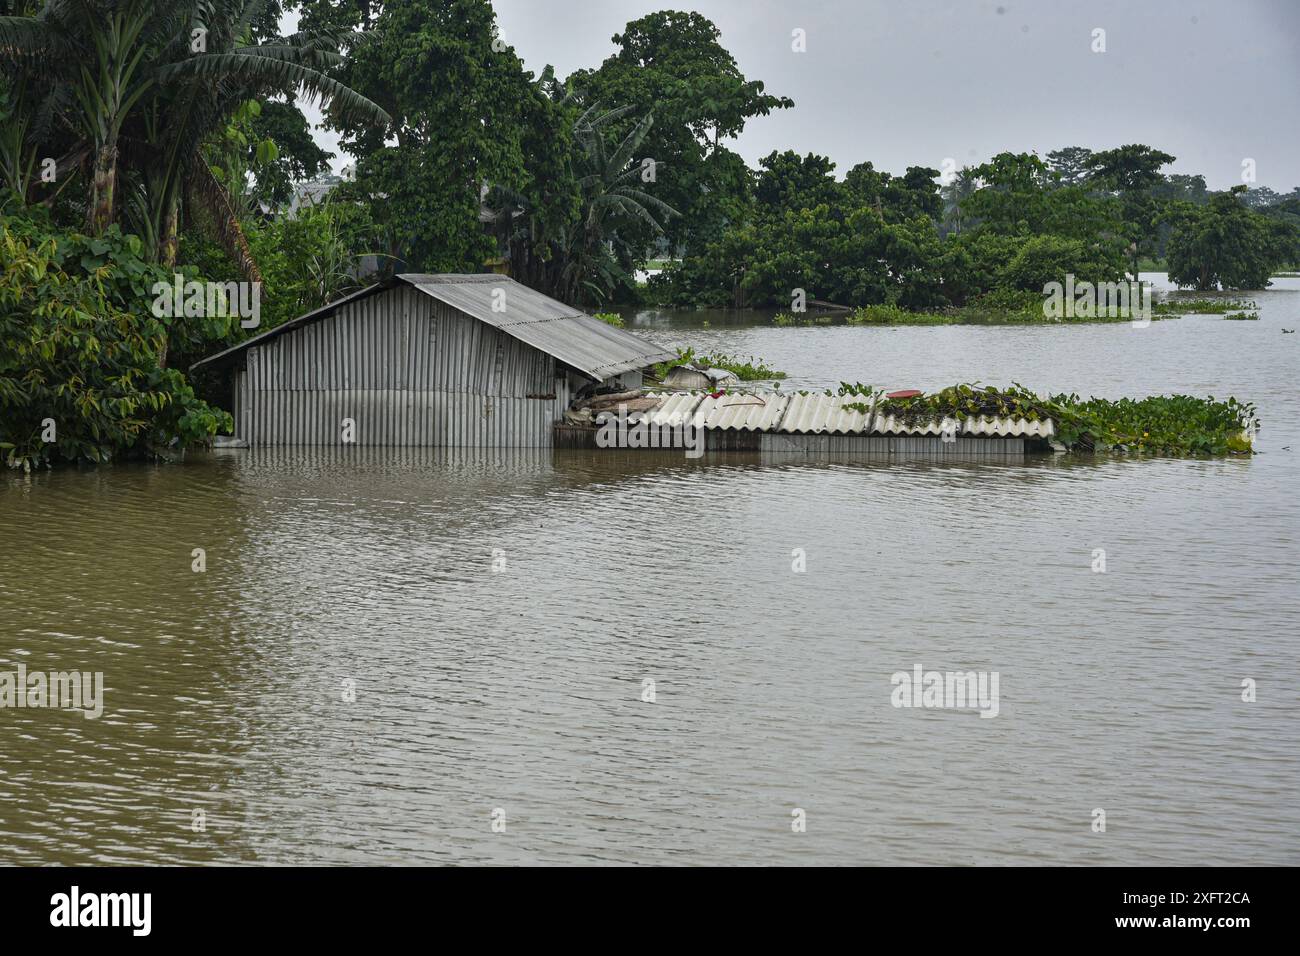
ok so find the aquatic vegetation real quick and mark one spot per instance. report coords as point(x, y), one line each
point(751, 370)
point(1008, 307)
point(1201, 306)
point(609, 318)
point(1242, 316)
point(786, 319)
point(885, 314)
point(1165, 424)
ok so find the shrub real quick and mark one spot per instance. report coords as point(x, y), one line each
point(752, 370)
point(80, 377)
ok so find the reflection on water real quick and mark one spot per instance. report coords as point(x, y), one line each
point(521, 688)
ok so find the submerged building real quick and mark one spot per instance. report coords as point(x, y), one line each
point(448, 360)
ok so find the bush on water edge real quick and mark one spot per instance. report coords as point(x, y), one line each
point(999, 307)
point(753, 370)
point(1164, 424)
point(81, 353)
point(1006, 307)
point(785, 319)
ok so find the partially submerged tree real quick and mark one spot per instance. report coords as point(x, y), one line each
point(1225, 244)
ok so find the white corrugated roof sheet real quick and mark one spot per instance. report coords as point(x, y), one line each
point(802, 413)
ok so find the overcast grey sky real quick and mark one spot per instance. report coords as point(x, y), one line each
point(912, 82)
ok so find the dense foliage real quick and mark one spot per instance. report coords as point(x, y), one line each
point(1226, 244)
point(80, 371)
point(134, 100)
point(749, 369)
point(1010, 225)
point(144, 139)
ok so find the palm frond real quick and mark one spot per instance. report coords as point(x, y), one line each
point(278, 73)
point(211, 195)
point(630, 143)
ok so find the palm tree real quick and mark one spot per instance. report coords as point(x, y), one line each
point(608, 242)
point(137, 88)
point(586, 257)
point(964, 185)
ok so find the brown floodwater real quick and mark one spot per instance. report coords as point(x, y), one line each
point(495, 618)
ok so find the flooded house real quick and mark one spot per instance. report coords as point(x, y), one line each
point(484, 361)
point(440, 360)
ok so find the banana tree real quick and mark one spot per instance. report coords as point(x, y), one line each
point(140, 86)
point(606, 244)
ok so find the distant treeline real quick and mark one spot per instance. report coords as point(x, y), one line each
point(1007, 226)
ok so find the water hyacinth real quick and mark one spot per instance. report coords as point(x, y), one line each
point(1163, 424)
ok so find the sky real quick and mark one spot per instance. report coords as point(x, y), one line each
point(917, 82)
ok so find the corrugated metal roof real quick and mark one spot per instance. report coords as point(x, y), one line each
point(734, 412)
point(595, 348)
point(1003, 427)
point(801, 413)
point(589, 346)
point(741, 412)
point(674, 409)
point(825, 414)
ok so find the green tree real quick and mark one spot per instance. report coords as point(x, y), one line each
point(895, 198)
point(297, 157)
point(1132, 173)
point(672, 64)
point(138, 90)
point(1020, 196)
point(963, 185)
point(80, 377)
point(603, 249)
point(1224, 244)
point(1071, 165)
point(789, 182)
point(459, 100)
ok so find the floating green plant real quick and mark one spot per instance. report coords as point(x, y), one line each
point(1164, 424)
point(751, 370)
point(1201, 306)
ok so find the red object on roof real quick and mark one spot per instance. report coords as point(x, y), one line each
point(905, 393)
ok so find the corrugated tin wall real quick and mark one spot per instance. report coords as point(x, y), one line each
point(408, 370)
